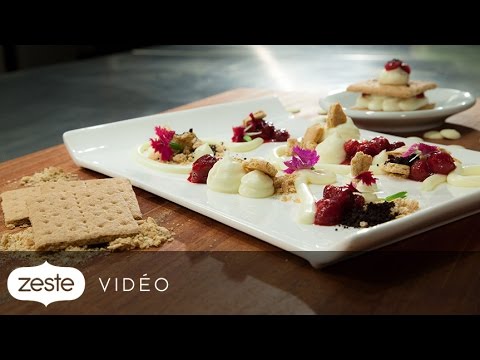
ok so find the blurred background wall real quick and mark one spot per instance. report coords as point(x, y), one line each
point(18, 57)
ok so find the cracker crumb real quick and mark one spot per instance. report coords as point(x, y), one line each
point(285, 198)
point(291, 143)
point(258, 115)
point(313, 136)
point(18, 241)
point(50, 174)
point(404, 207)
point(285, 184)
point(335, 116)
point(297, 200)
point(260, 165)
point(360, 163)
point(150, 235)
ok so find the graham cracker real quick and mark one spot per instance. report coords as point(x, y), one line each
point(373, 87)
point(360, 163)
point(122, 186)
point(335, 116)
point(261, 165)
point(78, 217)
point(313, 136)
point(14, 202)
point(14, 205)
point(393, 169)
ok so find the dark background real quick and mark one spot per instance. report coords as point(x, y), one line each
point(57, 88)
point(18, 57)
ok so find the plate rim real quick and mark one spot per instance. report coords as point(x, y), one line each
point(396, 115)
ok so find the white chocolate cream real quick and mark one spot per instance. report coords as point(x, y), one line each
point(256, 184)
point(244, 146)
point(204, 149)
point(363, 188)
point(386, 103)
point(308, 207)
point(466, 176)
point(331, 150)
point(393, 77)
point(346, 131)
point(225, 176)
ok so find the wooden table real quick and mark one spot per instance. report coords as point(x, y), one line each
point(215, 269)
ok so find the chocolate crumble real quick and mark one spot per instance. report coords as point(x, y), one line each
point(369, 215)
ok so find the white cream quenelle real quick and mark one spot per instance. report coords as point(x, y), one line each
point(331, 150)
point(225, 176)
point(346, 131)
point(393, 77)
point(256, 184)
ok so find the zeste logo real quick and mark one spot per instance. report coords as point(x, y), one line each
point(46, 283)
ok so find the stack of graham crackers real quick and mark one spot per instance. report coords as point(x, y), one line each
point(74, 213)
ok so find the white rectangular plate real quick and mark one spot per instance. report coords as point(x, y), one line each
point(111, 149)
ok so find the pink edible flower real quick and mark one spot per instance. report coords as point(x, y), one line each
point(367, 178)
point(162, 143)
point(423, 148)
point(301, 159)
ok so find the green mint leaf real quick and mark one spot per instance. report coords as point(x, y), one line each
point(176, 146)
point(399, 195)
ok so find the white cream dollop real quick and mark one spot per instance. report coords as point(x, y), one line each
point(225, 176)
point(412, 103)
point(378, 160)
point(367, 191)
point(204, 149)
point(386, 103)
point(331, 150)
point(256, 184)
point(364, 188)
point(346, 131)
point(393, 77)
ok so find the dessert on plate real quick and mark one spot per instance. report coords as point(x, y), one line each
point(393, 90)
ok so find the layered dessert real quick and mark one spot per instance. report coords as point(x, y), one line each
point(393, 90)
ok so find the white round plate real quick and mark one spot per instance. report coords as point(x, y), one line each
point(447, 102)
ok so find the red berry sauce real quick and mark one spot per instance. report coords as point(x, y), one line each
point(424, 165)
point(201, 168)
point(342, 205)
point(370, 147)
point(256, 128)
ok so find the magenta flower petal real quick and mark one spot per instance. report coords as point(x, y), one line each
point(427, 149)
point(423, 148)
point(367, 178)
point(410, 150)
point(162, 143)
point(301, 159)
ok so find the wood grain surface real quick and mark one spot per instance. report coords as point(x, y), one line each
point(434, 272)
